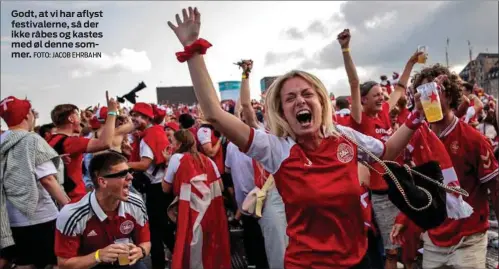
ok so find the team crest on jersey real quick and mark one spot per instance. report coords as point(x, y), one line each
point(126, 227)
point(454, 147)
point(344, 153)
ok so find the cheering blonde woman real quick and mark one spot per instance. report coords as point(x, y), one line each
point(314, 165)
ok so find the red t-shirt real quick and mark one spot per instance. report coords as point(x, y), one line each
point(83, 227)
point(473, 160)
point(321, 192)
point(402, 117)
point(205, 136)
point(75, 146)
point(379, 127)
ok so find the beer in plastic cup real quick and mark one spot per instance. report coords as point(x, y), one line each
point(123, 258)
point(430, 100)
point(422, 58)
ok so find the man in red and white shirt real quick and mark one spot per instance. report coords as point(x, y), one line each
point(66, 118)
point(106, 223)
point(462, 242)
point(153, 141)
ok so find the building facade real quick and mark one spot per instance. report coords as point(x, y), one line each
point(175, 95)
point(481, 71)
point(266, 82)
point(229, 90)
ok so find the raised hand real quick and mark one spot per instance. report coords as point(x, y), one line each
point(344, 38)
point(415, 56)
point(187, 29)
point(112, 105)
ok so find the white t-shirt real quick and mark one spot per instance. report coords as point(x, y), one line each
point(242, 172)
point(146, 151)
point(204, 135)
point(45, 209)
point(174, 164)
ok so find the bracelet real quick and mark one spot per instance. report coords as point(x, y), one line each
point(97, 258)
point(345, 49)
point(143, 252)
point(199, 46)
point(112, 113)
point(402, 85)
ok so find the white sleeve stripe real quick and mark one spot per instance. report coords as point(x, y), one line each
point(449, 175)
point(489, 176)
point(410, 148)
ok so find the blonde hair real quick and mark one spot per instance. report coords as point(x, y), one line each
point(278, 125)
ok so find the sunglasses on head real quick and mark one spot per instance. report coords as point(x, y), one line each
point(120, 174)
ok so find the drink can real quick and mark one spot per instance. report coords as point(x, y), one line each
point(430, 100)
point(422, 58)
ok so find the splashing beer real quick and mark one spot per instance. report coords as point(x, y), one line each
point(430, 100)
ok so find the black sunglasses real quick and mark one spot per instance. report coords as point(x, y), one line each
point(120, 174)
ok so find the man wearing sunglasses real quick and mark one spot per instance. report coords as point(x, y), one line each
point(107, 224)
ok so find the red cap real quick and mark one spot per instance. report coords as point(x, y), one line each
point(144, 109)
point(13, 110)
point(172, 125)
point(159, 112)
point(101, 114)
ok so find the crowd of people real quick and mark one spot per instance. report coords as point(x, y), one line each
point(303, 174)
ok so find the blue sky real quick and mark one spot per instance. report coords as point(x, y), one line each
point(279, 36)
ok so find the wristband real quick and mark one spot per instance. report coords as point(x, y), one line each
point(97, 258)
point(414, 120)
point(143, 252)
point(402, 85)
point(345, 50)
point(112, 113)
point(199, 46)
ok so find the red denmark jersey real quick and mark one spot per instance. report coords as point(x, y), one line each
point(321, 193)
point(367, 207)
point(379, 127)
point(402, 117)
point(205, 135)
point(474, 163)
point(83, 227)
point(75, 146)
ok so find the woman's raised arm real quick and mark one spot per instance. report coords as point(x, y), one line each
point(187, 31)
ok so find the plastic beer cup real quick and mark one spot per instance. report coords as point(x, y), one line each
point(123, 258)
point(430, 100)
point(422, 58)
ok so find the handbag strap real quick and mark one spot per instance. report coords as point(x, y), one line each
point(452, 189)
point(392, 176)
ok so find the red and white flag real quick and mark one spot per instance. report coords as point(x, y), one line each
point(425, 146)
point(202, 237)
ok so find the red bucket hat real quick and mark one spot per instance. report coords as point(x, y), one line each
point(144, 109)
point(13, 110)
point(172, 125)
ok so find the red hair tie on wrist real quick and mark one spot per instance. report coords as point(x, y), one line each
point(199, 46)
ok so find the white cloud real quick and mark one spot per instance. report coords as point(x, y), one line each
point(126, 60)
point(457, 68)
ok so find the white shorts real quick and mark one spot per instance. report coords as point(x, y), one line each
point(470, 252)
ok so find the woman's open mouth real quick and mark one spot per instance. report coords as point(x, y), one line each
point(304, 117)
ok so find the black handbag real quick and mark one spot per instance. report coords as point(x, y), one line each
point(414, 191)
